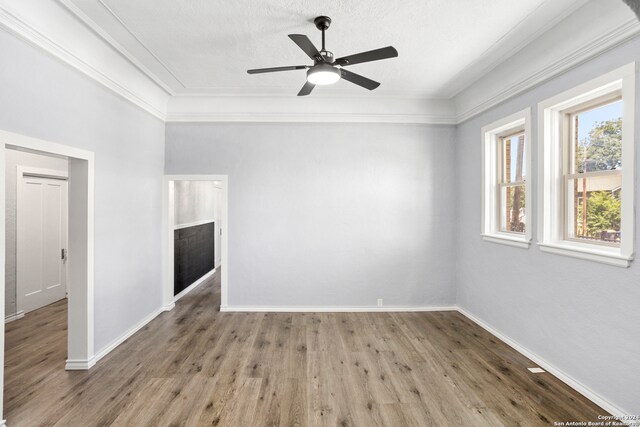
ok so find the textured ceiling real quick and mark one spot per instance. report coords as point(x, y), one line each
point(205, 47)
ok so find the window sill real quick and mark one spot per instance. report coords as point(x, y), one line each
point(602, 255)
point(505, 239)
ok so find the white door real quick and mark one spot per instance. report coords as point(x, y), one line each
point(41, 239)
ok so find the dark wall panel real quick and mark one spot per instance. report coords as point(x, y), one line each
point(193, 254)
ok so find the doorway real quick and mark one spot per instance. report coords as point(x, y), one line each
point(38, 236)
point(172, 225)
point(79, 263)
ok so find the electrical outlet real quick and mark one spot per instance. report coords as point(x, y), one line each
point(379, 302)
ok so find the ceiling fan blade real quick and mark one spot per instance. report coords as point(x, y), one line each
point(306, 89)
point(359, 80)
point(305, 44)
point(274, 69)
point(372, 55)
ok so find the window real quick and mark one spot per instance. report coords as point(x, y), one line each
point(593, 174)
point(506, 189)
point(512, 201)
point(587, 170)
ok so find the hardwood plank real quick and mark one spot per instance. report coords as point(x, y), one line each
point(195, 366)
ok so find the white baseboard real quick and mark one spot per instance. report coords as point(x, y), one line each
point(194, 285)
point(11, 318)
point(122, 338)
point(332, 309)
point(74, 365)
point(548, 366)
point(80, 364)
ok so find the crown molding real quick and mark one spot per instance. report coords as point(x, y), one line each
point(71, 42)
point(542, 19)
point(93, 26)
point(79, 42)
point(293, 109)
point(213, 117)
point(555, 52)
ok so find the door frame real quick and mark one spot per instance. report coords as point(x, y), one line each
point(80, 266)
point(44, 174)
point(168, 299)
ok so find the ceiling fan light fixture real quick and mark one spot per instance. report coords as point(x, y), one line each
point(323, 74)
point(325, 69)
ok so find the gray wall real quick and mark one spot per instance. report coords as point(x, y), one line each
point(330, 215)
point(45, 99)
point(581, 316)
point(13, 160)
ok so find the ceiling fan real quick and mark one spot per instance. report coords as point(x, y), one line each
point(326, 70)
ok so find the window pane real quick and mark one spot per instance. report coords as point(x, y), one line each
point(512, 209)
point(594, 208)
point(599, 139)
point(513, 159)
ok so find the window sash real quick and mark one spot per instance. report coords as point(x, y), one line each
point(568, 141)
point(503, 182)
point(569, 165)
point(568, 208)
point(501, 161)
point(501, 203)
point(611, 172)
point(511, 184)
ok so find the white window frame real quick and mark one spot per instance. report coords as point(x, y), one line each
point(491, 186)
point(551, 198)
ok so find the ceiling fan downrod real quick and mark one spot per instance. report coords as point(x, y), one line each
point(323, 23)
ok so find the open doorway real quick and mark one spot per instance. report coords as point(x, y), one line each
point(41, 174)
point(78, 264)
point(194, 234)
point(36, 208)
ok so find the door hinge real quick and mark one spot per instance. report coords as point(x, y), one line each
point(63, 254)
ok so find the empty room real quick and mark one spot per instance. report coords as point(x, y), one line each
point(280, 213)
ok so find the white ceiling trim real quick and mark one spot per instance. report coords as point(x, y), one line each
point(330, 109)
point(168, 72)
point(177, 41)
point(81, 43)
point(126, 54)
point(212, 117)
point(95, 57)
point(543, 19)
point(610, 23)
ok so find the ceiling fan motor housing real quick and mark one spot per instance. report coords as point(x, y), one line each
point(328, 56)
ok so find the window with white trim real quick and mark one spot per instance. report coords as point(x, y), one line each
point(587, 170)
point(506, 189)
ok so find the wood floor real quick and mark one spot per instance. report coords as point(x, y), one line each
point(195, 366)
